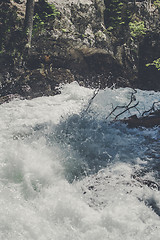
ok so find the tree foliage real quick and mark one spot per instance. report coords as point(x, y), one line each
point(44, 13)
point(155, 63)
point(137, 29)
point(116, 14)
point(15, 31)
point(157, 4)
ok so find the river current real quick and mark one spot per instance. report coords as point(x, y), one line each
point(67, 173)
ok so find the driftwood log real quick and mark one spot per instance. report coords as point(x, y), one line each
point(147, 119)
point(152, 120)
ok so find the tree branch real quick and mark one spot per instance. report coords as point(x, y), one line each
point(91, 100)
point(126, 107)
point(151, 109)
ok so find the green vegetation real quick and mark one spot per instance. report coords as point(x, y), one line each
point(12, 36)
point(155, 63)
point(157, 4)
point(116, 14)
point(137, 29)
point(44, 13)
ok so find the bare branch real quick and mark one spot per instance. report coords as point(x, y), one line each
point(151, 109)
point(114, 110)
point(126, 107)
point(91, 100)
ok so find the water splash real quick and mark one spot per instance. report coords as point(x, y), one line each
point(69, 175)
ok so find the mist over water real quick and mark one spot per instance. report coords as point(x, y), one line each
point(67, 173)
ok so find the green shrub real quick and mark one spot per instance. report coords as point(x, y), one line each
point(137, 29)
point(157, 4)
point(44, 13)
point(155, 63)
point(116, 14)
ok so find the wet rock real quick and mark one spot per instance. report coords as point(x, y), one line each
point(9, 98)
point(36, 82)
point(43, 81)
point(151, 184)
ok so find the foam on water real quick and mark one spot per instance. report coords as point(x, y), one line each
point(67, 174)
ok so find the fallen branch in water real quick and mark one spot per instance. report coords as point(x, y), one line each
point(151, 110)
point(91, 100)
point(126, 107)
point(148, 119)
point(152, 118)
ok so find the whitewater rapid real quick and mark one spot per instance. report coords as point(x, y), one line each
point(68, 174)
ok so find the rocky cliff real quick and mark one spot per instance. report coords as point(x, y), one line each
point(78, 45)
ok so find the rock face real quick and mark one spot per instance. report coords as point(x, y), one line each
point(76, 45)
point(79, 41)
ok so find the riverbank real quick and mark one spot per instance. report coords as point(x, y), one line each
point(78, 44)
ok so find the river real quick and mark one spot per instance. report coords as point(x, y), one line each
point(67, 173)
